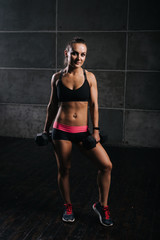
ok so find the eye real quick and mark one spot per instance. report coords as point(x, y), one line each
point(74, 53)
point(83, 54)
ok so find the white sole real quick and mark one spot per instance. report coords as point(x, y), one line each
point(68, 220)
point(100, 218)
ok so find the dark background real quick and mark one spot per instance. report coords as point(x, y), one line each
point(123, 39)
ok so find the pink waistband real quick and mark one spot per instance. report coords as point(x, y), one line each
point(70, 129)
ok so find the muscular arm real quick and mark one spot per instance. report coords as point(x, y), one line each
point(94, 105)
point(52, 107)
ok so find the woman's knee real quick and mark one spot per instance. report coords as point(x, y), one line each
point(107, 167)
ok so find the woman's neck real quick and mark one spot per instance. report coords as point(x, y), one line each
point(70, 69)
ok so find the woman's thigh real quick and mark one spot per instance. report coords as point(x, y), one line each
point(98, 155)
point(63, 149)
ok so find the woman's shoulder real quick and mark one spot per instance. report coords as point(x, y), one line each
point(90, 77)
point(55, 77)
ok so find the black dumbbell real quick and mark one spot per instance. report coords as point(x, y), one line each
point(42, 139)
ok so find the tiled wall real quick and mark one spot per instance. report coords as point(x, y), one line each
point(123, 38)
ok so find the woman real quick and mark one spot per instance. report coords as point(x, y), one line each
point(72, 89)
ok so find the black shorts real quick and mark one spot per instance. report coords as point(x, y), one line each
point(86, 138)
point(73, 137)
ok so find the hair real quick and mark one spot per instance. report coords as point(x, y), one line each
point(69, 45)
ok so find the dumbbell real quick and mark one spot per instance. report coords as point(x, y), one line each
point(42, 139)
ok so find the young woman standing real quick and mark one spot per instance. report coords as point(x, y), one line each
point(72, 89)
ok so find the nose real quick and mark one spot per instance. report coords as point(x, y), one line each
point(78, 56)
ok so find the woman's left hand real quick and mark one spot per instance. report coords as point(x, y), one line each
point(96, 136)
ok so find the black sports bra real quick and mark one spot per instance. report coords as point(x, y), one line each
point(65, 94)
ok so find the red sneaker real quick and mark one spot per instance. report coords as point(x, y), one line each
point(104, 214)
point(68, 215)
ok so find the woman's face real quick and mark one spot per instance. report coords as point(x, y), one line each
point(76, 55)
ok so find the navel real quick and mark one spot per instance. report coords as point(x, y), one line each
point(75, 115)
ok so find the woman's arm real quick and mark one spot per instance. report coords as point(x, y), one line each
point(52, 107)
point(94, 105)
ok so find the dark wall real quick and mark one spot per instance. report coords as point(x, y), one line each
point(123, 39)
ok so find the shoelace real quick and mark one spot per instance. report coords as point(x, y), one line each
point(106, 212)
point(68, 208)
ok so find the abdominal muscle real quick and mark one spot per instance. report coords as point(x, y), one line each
point(73, 113)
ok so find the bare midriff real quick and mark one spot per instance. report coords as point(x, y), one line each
point(73, 113)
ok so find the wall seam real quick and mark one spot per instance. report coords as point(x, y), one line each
point(90, 69)
point(80, 31)
point(56, 31)
point(38, 69)
point(125, 79)
point(101, 108)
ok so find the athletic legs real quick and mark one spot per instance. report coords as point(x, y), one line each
point(99, 156)
point(63, 150)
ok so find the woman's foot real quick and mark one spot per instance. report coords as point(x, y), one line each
point(68, 215)
point(104, 214)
